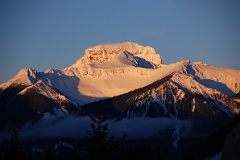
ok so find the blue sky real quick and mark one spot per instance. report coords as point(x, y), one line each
point(54, 33)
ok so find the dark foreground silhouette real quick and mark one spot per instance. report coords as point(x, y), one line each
point(98, 144)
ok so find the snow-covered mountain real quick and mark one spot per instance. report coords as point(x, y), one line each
point(109, 70)
point(166, 98)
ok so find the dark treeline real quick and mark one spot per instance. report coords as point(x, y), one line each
point(98, 144)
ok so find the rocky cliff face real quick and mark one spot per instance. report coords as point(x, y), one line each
point(105, 52)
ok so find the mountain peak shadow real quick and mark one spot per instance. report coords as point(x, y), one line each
point(138, 61)
point(68, 86)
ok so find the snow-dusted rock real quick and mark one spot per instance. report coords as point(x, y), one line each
point(106, 52)
point(24, 77)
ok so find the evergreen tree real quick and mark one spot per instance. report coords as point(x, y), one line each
point(100, 144)
point(48, 155)
point(14, 150)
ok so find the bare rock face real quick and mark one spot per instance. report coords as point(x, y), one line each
point(105, 52)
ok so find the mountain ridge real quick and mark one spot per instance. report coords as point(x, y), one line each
point(122, 72)
point(85, 83)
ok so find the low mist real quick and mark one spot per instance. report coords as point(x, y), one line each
point(76, 128)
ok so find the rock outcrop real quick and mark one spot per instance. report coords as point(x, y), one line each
point(105, 52)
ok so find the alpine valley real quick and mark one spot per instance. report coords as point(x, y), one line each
point(187, 108)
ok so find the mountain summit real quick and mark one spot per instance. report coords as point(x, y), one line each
point(119, 55)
